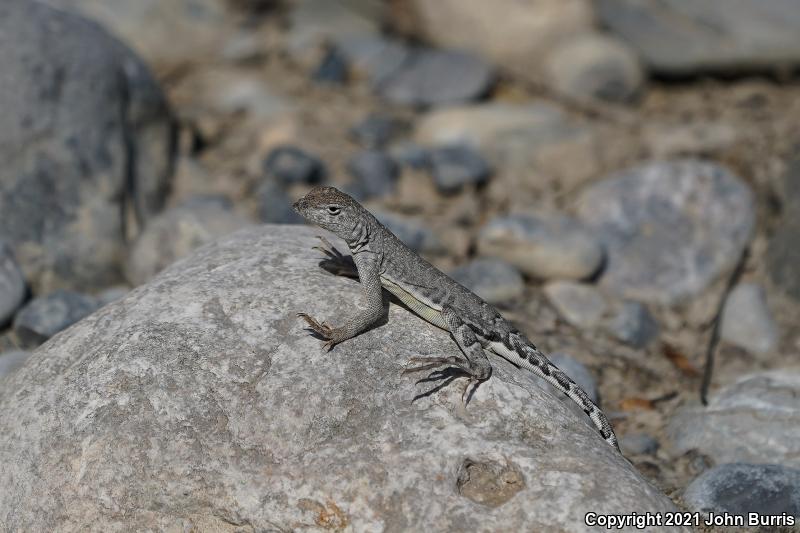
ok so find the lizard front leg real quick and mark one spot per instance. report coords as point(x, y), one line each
point(368, 265)
point(475, 363)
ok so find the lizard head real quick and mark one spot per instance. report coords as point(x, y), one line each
point(330, 209)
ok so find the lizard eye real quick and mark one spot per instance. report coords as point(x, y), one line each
point(333, 210)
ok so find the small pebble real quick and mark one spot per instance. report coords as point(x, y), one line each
point(581, 305)
point(332, 68)
point(492, 279)
point(458, 165)
point(438, 77)
point(747, 321)
point(45, 316)
point(291, 165)
point(375, 173)
point(411, 155)
point(12, 284)
point(374, 57)
point(11, 361)
point(550, 246)
point(374, 132)
point(638, 444)
point(594, 65)
point(741, 488)
point(633, 324)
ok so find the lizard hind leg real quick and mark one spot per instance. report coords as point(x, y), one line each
point(474, 364)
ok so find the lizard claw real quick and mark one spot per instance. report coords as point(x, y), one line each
point(469, 390)
point(324, 330)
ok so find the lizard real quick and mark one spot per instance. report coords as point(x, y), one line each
point(383, 261)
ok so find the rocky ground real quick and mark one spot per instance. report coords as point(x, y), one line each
point(600, 183)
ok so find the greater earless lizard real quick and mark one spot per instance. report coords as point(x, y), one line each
point(384, 262)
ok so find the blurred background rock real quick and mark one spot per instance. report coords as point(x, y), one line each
point(595, 168)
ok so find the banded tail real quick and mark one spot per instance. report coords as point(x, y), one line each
point(540, 365)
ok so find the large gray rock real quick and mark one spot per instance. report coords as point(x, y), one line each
point(741, 488)
point(682, 37)
point(754, 420)
point(166, 33)
point(199, 401)
point(84, 131)
point(670, 228)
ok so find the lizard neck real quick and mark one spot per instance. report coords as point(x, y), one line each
point(359, 238)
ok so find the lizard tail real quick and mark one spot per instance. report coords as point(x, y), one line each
point(542, 367)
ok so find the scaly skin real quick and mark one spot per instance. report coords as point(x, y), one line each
point(382, 261)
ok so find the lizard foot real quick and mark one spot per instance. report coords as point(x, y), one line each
point(335, 262)
point(323, 330)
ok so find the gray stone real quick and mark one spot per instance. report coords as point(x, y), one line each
point(231, 91)
point(291, 165)
point(176, 232)
point(487, 126)
point(85, 132)
point(783, 254)
point(375, 131)
point(11, 361)
point(456, 166)
point(44, 316)
point(375, 173)
point(373, 57)
point(438, 77)
point(492, 279)
point(580, 304)
point(670, 228)
point(413, 232)
point(332, 68)
point(168, 34)
point(754, 420)
point(517, 34)
point(747, 321)
point(411, 154)
point(200, 401)
point(316, 23)
point(594, 65)
point(547, 246)
point(741, 488)
point(638, 444)
point(274, 204)
point(633, 324)
point(12, 284)
point(679, 37)
point(578, 372)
